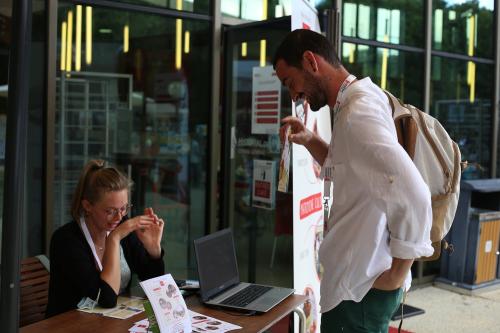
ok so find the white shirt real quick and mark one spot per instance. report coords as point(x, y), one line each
point(381, 205)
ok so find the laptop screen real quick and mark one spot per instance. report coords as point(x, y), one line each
point(217, 267)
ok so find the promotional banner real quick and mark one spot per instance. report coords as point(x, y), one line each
point(266, 101)
point(308, 190)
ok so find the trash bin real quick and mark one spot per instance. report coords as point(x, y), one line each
point(475, 237)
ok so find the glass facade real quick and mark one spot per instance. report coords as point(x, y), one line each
point(196, 6)
point(133, 91)
point(31, 240)
point(388, 21)
point(256, 10)
point(464, 108)
point(463, 27)
point(5, 40)
point(460, 90)
point(391, 69)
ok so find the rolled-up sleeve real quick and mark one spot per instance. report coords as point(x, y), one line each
point(391, 177)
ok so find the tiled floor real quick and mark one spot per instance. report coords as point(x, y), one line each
point(447, 311)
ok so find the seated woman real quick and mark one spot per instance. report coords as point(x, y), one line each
point(95, 255)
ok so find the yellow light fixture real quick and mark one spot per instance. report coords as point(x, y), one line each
point(471, 66)
point(88, 35)
point(178, 38)
point(64, 27)
point(262, 52)
point(352, 48)
point(244, 49)
point(78, 44)
point(69, 44)
point(187, 37)
point(178, 44)
point(264, 9)
point(385, 56)
point(125, 38)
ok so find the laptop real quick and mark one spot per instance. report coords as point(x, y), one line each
point(220, 281)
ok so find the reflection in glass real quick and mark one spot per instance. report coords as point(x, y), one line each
point(397, 22)
point(463, 27)
point(139, 102)
point(196, 6)
point(466, 116)
point(393, 70)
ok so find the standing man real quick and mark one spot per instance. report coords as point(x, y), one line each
point(381, 214)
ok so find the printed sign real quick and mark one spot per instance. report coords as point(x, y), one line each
point(266, 101)
point(264, 180)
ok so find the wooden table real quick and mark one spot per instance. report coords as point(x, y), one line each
point(76, 321)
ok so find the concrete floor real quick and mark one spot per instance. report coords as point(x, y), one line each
point(447, 311)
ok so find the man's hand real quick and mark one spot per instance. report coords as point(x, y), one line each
point(299, 133)
point(302, 136)
point(394, 277)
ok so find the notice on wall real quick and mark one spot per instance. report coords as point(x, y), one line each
point(266, 101)
point(264, 182)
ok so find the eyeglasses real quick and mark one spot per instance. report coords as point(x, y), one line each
point(113, 212)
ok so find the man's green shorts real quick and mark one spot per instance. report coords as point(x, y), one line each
point(371, 315)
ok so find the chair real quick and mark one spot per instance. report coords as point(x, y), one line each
point(34, 289)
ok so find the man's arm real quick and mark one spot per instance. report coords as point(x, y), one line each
point(394, 277)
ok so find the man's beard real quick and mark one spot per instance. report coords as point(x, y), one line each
point(315, 94)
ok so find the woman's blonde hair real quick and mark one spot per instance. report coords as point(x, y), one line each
point(95, 180)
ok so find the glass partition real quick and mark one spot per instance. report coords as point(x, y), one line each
point(463, 27)
point(132, 89)
point(392, 70)
point(396, 22)
point(263, 233)
point(5, 37)
point(196, 6)
point(461, 100)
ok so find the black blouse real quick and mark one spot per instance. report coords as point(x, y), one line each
point(73, 271)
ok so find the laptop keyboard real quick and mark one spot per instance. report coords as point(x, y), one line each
point(246, 295)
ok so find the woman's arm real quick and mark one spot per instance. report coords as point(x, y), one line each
point(111, 258)
point(111, 263)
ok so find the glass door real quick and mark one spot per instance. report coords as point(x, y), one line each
point(263, 231)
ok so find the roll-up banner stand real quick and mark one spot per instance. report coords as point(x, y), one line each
point(308, 191)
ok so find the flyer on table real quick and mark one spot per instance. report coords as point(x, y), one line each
point(168, 304)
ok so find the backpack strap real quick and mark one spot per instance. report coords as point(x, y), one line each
point(406, 127)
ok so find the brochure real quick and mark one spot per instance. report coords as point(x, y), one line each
point(200, 323)
point(126, 307)
point(167, 304)
point(285, 163)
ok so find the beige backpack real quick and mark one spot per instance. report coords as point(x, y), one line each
point(438, 159)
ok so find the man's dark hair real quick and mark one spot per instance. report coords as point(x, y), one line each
point(299, 41)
